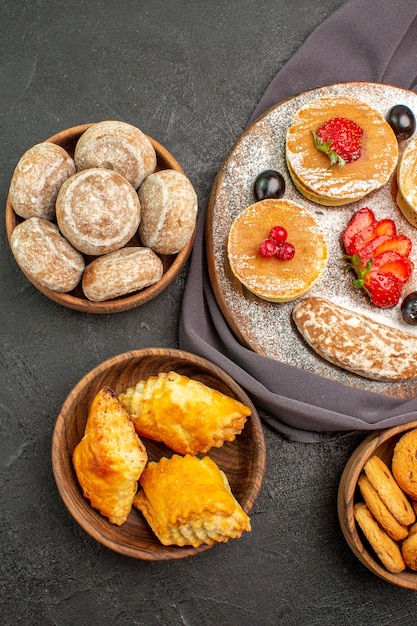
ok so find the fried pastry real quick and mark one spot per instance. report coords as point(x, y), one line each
point(110, 458)
point(188, 501)
point(183, 413)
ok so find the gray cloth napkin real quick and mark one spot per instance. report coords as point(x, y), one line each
point(363, 40)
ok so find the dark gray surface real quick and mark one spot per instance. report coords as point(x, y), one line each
point(189, 74)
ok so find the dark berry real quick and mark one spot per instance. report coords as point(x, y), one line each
point(269, 184)
point(267, 248)
point(402, 121)
point(285, 251)
point(409, 308)
point(278, 234)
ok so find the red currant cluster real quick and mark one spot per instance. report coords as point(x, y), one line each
point(277, 245)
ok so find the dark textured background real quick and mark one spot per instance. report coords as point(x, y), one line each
point(188, 73)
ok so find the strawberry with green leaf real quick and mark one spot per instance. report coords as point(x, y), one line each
point(340, 139)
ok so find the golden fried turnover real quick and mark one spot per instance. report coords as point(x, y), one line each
point(110, 458)
point(183, 413)
point(188, 501)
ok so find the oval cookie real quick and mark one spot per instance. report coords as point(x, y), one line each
point(356, 342)
point(404, 463)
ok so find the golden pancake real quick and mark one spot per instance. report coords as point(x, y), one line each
point(309, 167)
point(270, 278)
point(407, 182)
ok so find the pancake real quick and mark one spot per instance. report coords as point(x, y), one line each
point(309, 167)
point(407, 182)
point(270, 278)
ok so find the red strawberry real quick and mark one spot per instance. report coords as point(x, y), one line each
point(382, 278)
point(383, 288)
point(368, 250)
point(397, 243)
point(341, 139)
point(362, 219)
point(393, 263)
point(384, 227)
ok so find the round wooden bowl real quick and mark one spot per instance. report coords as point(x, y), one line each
point(242, 460)
point(381, 443)
point(76, 299)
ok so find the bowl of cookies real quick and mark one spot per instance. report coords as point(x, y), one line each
point(377, 504)
point(100, 217)
point(158, 454)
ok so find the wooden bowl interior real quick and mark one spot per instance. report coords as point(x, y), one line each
point(76, 299)
point(381, 443)
point(243, 460)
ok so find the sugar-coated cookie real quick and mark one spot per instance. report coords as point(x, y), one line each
point(98, 211)
point(356, 342)
point(37, 178)
point(117, 146)
point(45, 255)
point(168, 211)
point(121, 272)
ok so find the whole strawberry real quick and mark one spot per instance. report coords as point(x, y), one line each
point(341, 139)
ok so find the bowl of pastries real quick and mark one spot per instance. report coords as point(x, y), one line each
point(100, 217)
point(158, 454)
point(377, 504)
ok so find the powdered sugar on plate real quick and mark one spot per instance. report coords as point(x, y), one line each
point(267, 327)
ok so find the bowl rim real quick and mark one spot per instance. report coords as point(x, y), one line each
point(346, 498)
point(62, 464)
point(123, 303)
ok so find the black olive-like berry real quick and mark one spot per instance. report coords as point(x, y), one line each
point(409, 308)
point(402, 121)
point(269, 184)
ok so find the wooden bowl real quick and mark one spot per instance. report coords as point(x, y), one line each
point(76, 299)
point(242, 460)
point(381, 443)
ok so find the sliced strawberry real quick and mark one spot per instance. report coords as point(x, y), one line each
point(369, 249)
point(362, 219)
point(397, 243)
point(382, 227)
point(393, 263)
point(384, 288)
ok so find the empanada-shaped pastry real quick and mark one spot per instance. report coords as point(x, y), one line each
point(183, 413)
point(188, 501)
point(110, 458)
